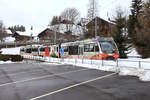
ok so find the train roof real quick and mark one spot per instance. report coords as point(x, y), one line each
point(94, 40)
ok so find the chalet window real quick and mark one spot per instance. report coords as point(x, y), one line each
point(106, 27)
point(73, 50)
point(101, 28)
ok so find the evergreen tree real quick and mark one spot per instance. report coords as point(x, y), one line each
point(133, 18)
point(2, 30)
point(120, 34)
point(55, 20)
point(60, 19)
point(17, 28)
point(143, 33)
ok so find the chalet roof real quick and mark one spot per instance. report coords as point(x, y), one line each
point(98, 18)
point(17, 34)
point(43, 32)
point(8, 31)
point(33, 32)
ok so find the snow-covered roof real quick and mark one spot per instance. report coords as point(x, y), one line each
point(8, 31)
point(34, 32)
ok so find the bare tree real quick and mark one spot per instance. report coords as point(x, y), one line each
point(70, 17)
point(70, 14)
point(2, 30)
point(92, 9)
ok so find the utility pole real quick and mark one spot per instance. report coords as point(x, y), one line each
point(95, 27)
point(54, 36)
point(31, 35)
point(31, 32)
point(92, 15)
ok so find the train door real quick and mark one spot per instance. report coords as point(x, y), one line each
point(81, 50)
point(47, 51)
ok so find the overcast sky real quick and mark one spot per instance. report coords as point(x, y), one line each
point(40, 12)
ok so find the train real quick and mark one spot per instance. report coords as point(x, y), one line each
point(102, 48)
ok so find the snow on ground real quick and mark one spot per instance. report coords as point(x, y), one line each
point(5, 62)
point(13, 51)
point(9, 39)
point(133, 53)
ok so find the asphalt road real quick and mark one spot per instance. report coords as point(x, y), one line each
point(39, 81)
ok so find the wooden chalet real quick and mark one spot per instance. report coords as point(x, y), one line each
point(19, 37)
point(49, 34)
point(103, 27)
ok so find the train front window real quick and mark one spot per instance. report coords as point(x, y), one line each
point(108, 47)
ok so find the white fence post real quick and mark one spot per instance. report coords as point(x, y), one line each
point(139, 64)
point(117, 67)
point(102, 62)
point(82, 60)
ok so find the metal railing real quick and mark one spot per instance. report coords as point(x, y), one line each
point(100, 63)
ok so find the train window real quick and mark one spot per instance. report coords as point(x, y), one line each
point(42, 49)
point(85, 48)
point(73, 50)
point(81, 50)
point(22, 49)
point(108, 46)
point(34, 49)
point(28, 50)
point(96, 48)
point(65, 49)
point(89, 48)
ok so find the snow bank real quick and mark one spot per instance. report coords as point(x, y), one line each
point(145, 76)
point(7, 62)
point(133, 53)
point(9, 39)
point(13, 51)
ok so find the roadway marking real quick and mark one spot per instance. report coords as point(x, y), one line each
point(72, 86)
point(46, 76)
